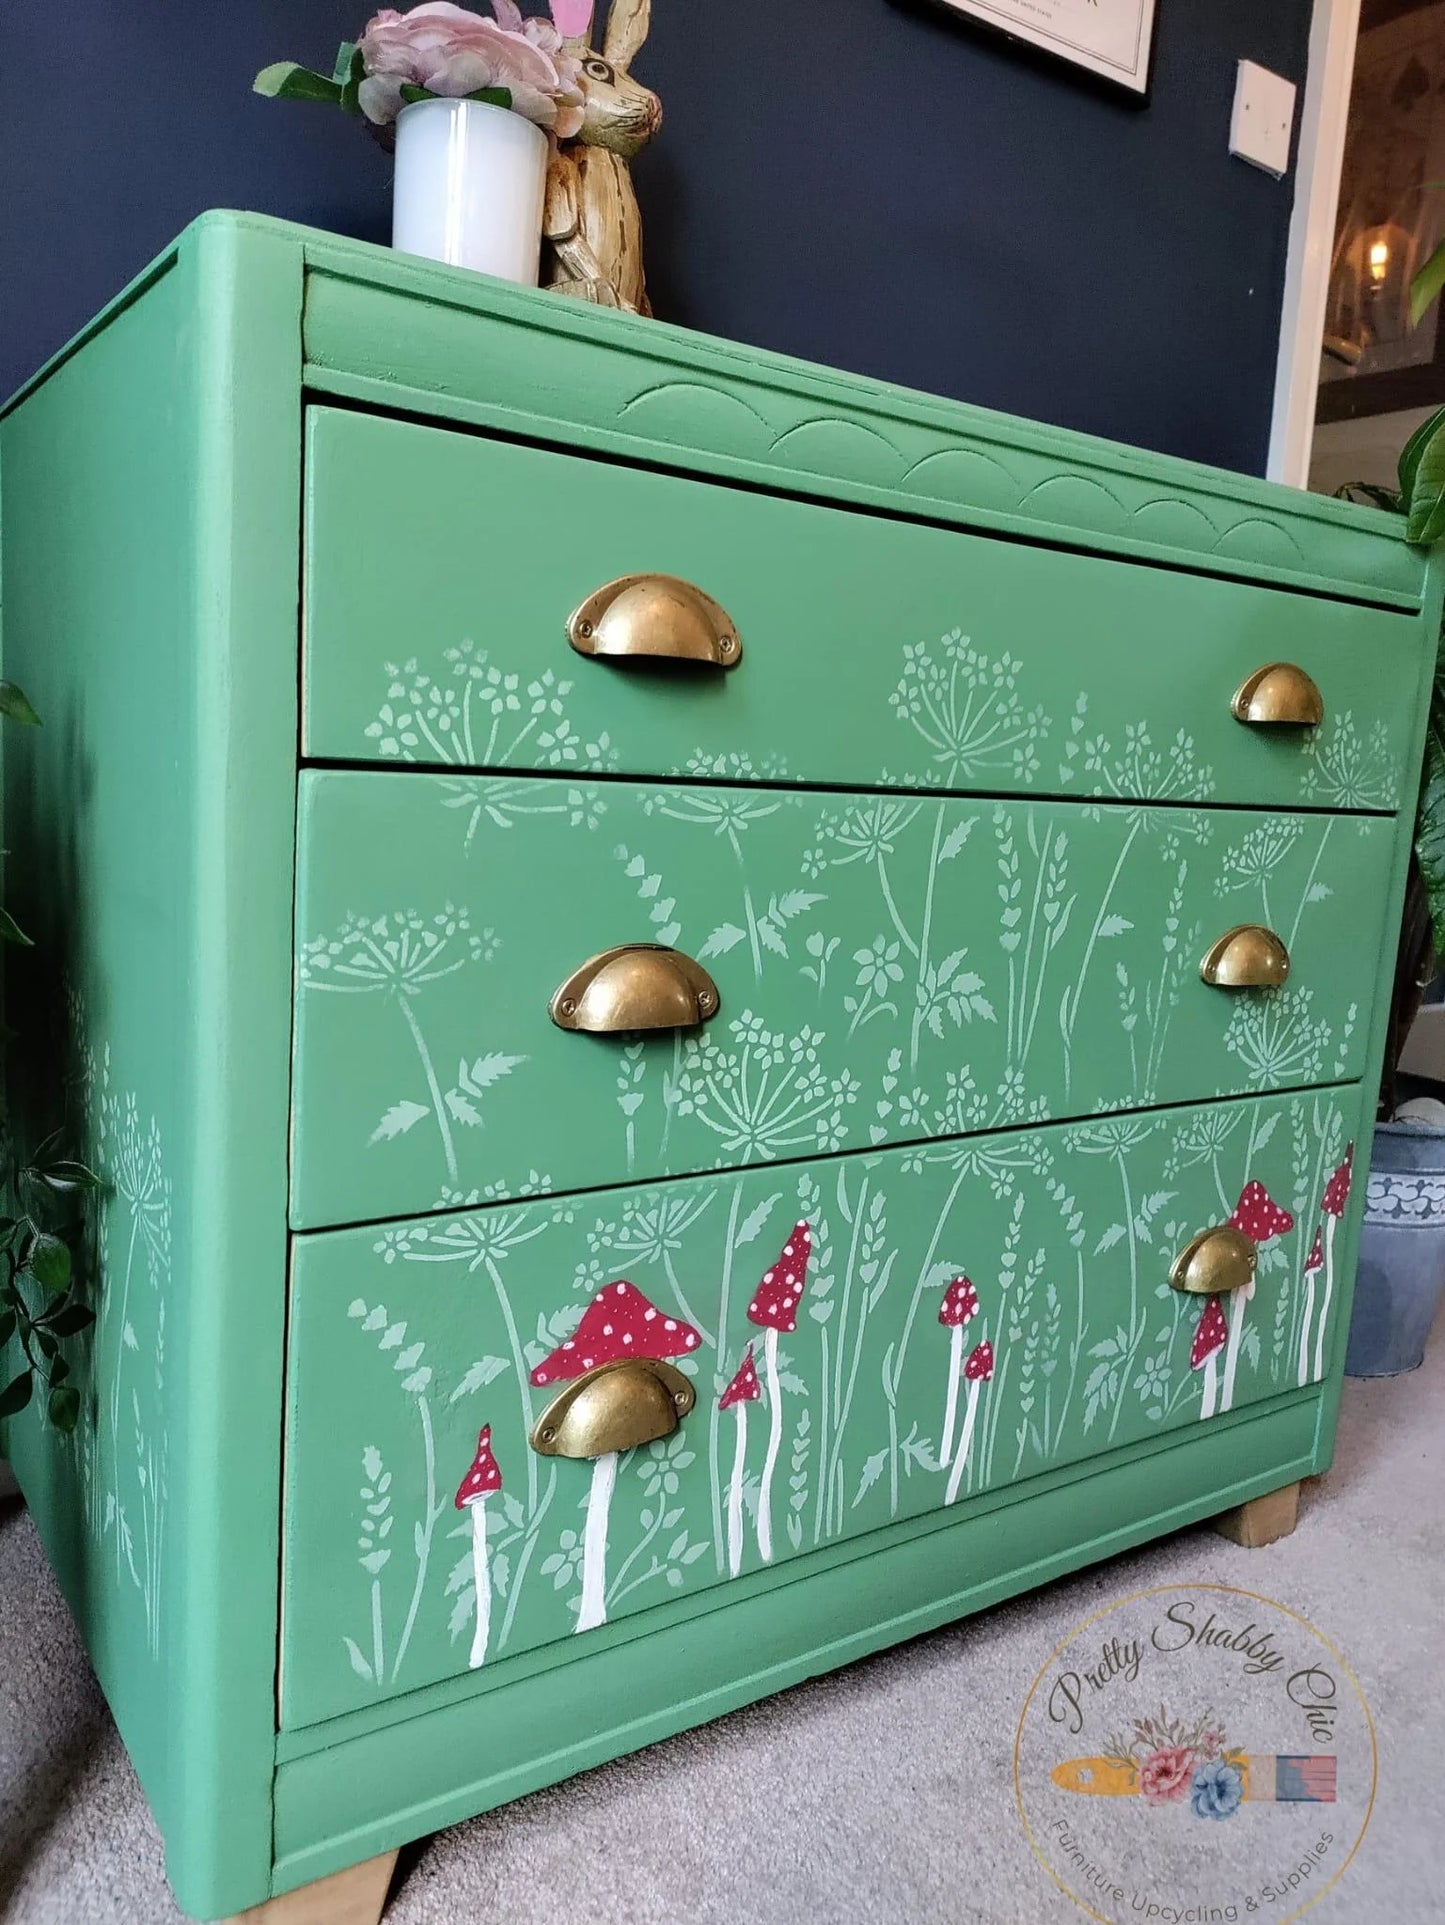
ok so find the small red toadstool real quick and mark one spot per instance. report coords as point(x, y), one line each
point(476, 1487)
point(619, 1322)
point(977, 1371)
point(1336, 1196)
point(775, 1307)
point(1260, 1218)
point(958, 1309)
point(742, 1391)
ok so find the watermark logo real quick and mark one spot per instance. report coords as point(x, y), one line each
point(1194, 1755)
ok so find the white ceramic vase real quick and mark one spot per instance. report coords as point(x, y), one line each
point(470, 180)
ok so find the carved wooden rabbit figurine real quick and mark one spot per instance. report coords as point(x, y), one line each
point(592, 226)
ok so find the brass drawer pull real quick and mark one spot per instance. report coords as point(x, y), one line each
point(617, 1406)
point(657, 616)
point(1214, 1262)
point(1279, 695)
point(640, 985)
point(1249, 957)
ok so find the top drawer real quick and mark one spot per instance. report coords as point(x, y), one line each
point(441, 569)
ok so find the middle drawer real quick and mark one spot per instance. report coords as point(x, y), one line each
point(888, 968)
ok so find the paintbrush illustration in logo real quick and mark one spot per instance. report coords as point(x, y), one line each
point(1167, 1761)
point(1264, 1778)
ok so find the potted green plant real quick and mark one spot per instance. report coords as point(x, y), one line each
point(1401, 1275)
point(41, 1287)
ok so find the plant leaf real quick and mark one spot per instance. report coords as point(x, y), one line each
point(15, 704)
point(1412, 451)
point(64, 1407)
point(10, 930)
point(1426, 285)
point(49, 1262)
point(285, 80)
point(16, 1394)
point(70, 1319)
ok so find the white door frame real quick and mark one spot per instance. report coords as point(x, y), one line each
point(1334, 30)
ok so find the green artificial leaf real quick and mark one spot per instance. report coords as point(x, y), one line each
point(10, 930)
point(70, 1319)
point(7, 1326)
point(350, 71)
point(1430, 819)
point(15, 704)
point(1426, 491)
point(67, 1175)
point(16, 1394)
point(1411, 452)
point(345, 59)
point(1368, 493)
point(493, 96)
point(284, 80)
point(49, 1262)
point(64, 1407)
point(1426, 285)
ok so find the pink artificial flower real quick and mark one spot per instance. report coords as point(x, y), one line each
point(1165, 1775)
point(451, 52)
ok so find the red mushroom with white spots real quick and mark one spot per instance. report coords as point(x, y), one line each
point(742, 1391)
point(1336, 1196)
point(955, 1313)
point(977, 1372)
point(774, 1308)
point(620, 1322)
point(1210, 1336)
point(476, 1487)
point(1314, 1263)
point(1260, 1218)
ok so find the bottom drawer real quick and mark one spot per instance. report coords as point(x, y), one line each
point(882, 1385)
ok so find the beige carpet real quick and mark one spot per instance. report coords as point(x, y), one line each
point(883, 1793)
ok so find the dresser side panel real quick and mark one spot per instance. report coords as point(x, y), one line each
point(150, 493)
point(99, 578)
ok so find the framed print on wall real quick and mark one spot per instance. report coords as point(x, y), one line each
point(1111, 38)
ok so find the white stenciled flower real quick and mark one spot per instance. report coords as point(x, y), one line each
point(966, 708)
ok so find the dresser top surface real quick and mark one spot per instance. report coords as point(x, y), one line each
point(387, 328)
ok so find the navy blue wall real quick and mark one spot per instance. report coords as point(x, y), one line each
point(863, 182)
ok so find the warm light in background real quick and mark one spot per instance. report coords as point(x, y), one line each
point(1379, 260)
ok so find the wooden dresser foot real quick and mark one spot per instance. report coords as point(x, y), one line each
point(356, 1896)
point(1262, 1519)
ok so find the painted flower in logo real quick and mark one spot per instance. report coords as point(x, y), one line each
point(1216, 1790)
point(1165, 1775)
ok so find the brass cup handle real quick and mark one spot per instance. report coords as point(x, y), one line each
point(1279, 695)
point(614, 1407)
point(656, 616)
point(1216, 1261)
point(640, 985)
point(1247, 957)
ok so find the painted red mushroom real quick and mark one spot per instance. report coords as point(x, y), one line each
point(1336, 1196)
point(1314, 1263)
point(1210, 1337)
point(977, 1371)
point(619, 1322)
point(775, 1307)
point(1260, 1218)
point(742, 1391)
point(476, 1487)
point(958, 1309)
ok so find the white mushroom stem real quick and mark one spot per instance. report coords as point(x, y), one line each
point(593, 1610)
point(1231, 1349)
point(1211, 1386)
point(482, 1581)
point(1325, 1300)
point(775, 1444)
point(735, 1492)
point(950, 1408)
point(1304, 1329)
point(970, 1411)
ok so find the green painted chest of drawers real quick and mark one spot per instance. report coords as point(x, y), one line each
point(394, 1270)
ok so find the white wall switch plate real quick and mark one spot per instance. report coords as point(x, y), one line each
point(1263, 118)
